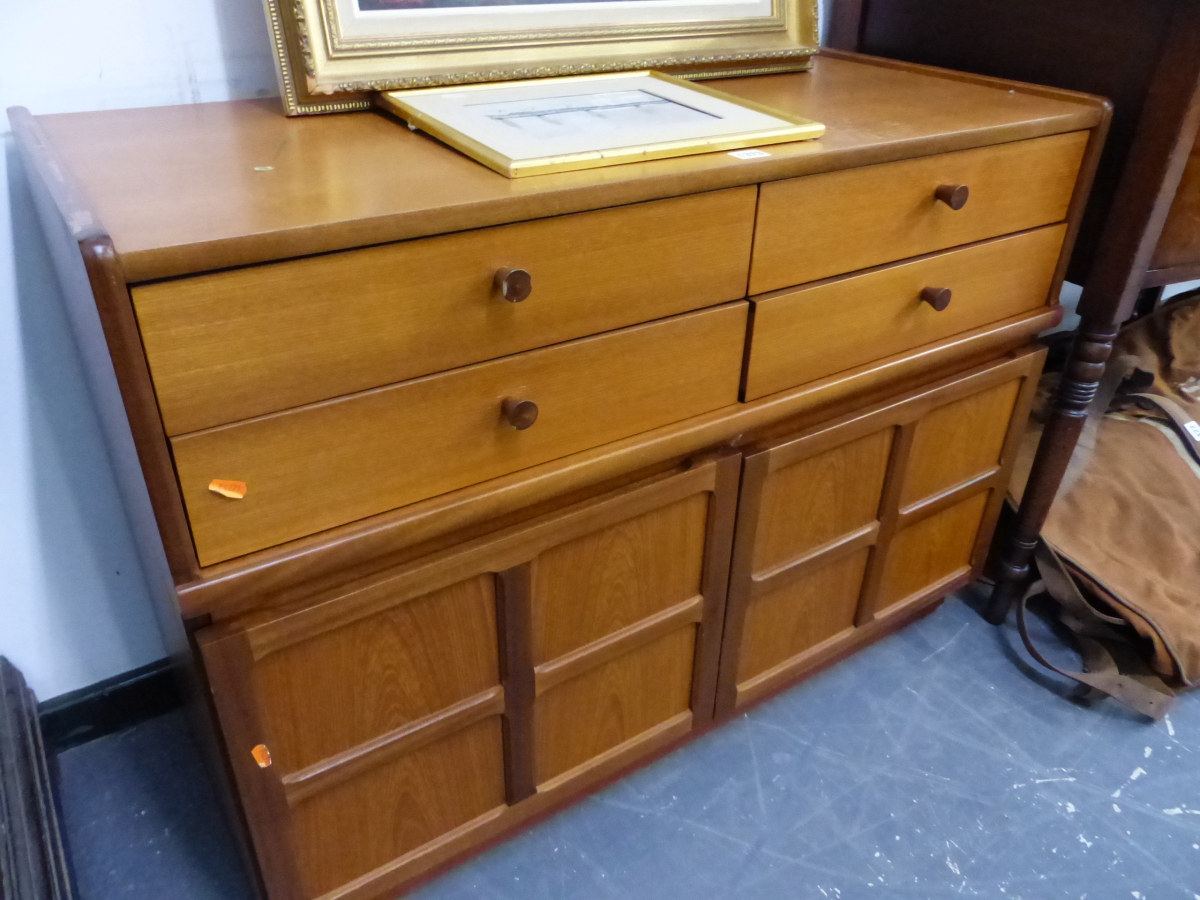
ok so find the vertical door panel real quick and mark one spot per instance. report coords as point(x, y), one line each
point(846, 529)
point(377, 727)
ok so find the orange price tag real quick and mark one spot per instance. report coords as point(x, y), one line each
point(234, 490)
point(261, 755)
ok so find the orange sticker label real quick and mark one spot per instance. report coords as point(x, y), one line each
point(234, 490)
point(261, 755)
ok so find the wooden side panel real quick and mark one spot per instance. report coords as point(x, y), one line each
point(932, 552)
point(579, 720)
point(958, 442)
point(907, 493)
point(820, 499)
point(823, 225)
point(344, 687)
point(324, 465)
point(1179, 242)
point(849, 321)
point(375, 725)
point(245, 342)
point(801, 614)
point(363, 824)
point(610, 579)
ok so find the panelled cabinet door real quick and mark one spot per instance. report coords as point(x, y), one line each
point(848, 529)
point(391, 724)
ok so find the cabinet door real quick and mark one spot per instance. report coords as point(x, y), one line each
point(850, 529)
point(379, 730)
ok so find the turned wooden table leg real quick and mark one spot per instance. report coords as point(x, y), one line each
point(1167, 131)
point(1080, 380)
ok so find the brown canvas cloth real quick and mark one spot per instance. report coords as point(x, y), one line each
point(1127, 523)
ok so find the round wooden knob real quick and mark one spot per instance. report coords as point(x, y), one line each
point(954, 196)
point(938, 298)
point(520, 414)
point(514, 285)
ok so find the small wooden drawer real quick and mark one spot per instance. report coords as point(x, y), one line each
point(330, 463)
point(802, 335)
point(823, 225)
point(232, 345)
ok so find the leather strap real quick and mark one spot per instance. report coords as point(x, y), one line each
point(1188, 428)
point(1110, 664)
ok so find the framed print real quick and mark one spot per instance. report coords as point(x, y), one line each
point(580, 122)
point(333, 54)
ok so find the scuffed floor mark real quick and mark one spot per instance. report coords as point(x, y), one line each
point(945, 645)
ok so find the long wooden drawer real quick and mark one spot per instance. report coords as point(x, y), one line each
point(330, 463)
point(823, 225)
point(802, 335)
point(232, 345)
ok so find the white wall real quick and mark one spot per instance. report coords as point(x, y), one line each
point(73, 603)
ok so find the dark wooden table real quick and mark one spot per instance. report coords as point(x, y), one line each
point(1141, 230)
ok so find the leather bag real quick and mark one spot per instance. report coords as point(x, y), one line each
point(1120, 553)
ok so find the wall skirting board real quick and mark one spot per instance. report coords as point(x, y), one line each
point(109, 706)
point(33, 865)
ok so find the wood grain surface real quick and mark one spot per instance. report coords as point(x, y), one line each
point(959, 441)
point(328, 464)
point(863, 517)
point(853, 320)
point(342, 688)
point(1179, 242)
point(246, 342)
point(273, 577)
point(796, 616)
point(185, 189)
point(825, 225)
point(637, 568)
point(613, 703)
point(809, 503)
point(931, 551)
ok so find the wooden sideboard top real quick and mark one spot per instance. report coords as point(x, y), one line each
point(184, 189)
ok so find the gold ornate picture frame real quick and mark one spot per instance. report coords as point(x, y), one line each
point(332, 55)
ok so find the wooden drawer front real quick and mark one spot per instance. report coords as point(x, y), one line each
point(858, 522)
point(406, 718)
point(805, 334)
point(829, 224)
point(324, 465)
point(233, 345)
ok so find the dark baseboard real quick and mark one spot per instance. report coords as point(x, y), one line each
point(33, 865)
point(109, 706)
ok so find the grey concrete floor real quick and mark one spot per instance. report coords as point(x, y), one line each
point(935, 764)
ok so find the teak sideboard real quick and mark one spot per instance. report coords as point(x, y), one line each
point(543, 477)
